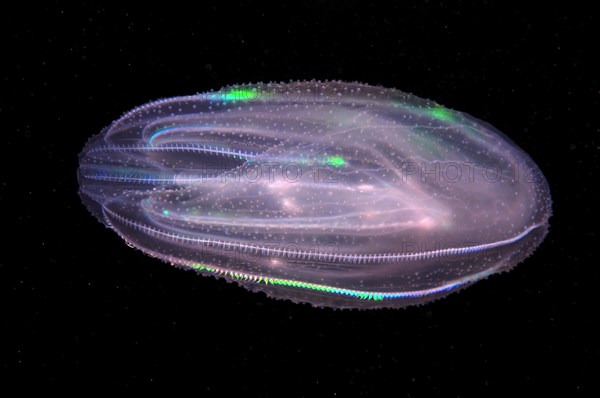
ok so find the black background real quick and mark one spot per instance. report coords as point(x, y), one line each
point(78, 306)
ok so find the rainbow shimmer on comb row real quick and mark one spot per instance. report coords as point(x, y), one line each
point(362, 295)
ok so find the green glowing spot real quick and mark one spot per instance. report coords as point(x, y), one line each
point(239, 95)
point(441, 113)
point(335, 161)
point(165, 212)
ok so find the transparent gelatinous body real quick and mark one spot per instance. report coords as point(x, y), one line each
point(337, 194)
